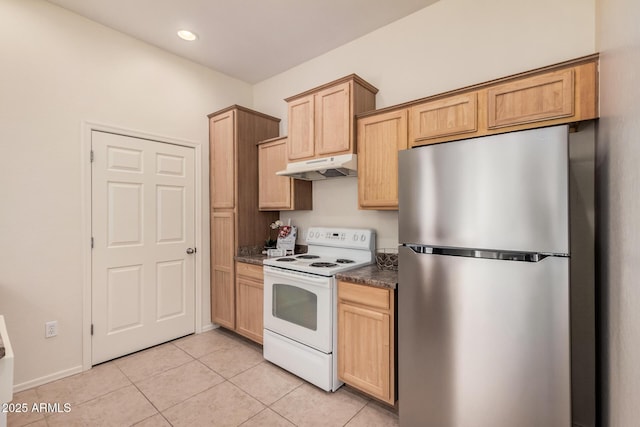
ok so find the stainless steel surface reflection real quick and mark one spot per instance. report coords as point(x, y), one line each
point(483, 292)
point(482, 344)
point(509, 192)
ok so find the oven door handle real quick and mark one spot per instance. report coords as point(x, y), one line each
point(286, 274)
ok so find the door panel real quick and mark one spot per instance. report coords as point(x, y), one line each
point(504, 192)
point(222, 274)
point(170, 214)
point(380, 137)
point(301, 128)
point(483, 342)
point(124, 284)
point(222, 143)
point(333, 120)
point(171, 290)
point(143, 220)
point(124, 207)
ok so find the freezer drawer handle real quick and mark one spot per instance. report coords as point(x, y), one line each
point(479, 253)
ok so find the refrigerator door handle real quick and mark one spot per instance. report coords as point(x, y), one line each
point(481, 253)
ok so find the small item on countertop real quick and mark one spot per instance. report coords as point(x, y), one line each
point(287, 237)
point(275, 252)
point(387, 259)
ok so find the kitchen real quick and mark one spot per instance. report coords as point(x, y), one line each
point(58, 88)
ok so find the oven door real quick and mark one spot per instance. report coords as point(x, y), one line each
point(299, 306)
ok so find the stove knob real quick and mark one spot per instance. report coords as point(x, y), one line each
point(355, 237)
point(363, 237)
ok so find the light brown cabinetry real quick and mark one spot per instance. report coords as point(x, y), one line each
point(366, 350)
point(279, 193)
point(380, 137)
point(221, 129)
point(222, 252)
point(235, 218)
point(249, 301)
point(446, 117)
point(557, 94)
point(321, 120)
point(544, 97)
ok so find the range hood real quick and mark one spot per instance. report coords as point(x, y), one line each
point(322, 168)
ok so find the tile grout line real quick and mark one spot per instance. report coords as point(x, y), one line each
point(152, 404)
point(160, 372)
point(81, 403)
point(286, 394)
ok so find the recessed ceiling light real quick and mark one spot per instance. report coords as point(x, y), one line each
point(187, 35)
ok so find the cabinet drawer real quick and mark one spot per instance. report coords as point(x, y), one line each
point(249, 270)
point(364, 295)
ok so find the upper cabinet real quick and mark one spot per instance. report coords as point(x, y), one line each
point(321, 120)
point(222, 131)
point(380, 137)
point(544, 97)
point(447, 117)
point(279, 193)
point(557, 94)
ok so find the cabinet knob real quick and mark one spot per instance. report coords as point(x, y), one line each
point(191, 250)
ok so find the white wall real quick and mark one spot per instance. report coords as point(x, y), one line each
point(58, 70)
point(617, 178)
point(450, 44)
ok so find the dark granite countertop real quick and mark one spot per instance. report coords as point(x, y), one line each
point(367, 275)
point(255, 259)
point(370, 275)
point(254, 255)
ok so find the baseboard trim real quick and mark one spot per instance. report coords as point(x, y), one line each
point(209, 327)
point(46, 379)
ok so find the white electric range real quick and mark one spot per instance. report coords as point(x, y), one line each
point(300, 302)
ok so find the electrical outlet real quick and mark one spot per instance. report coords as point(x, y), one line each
point(51, 329)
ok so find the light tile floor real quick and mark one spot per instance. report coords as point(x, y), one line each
point(211, 379)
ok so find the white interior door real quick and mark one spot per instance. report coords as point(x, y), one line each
point(143, 226)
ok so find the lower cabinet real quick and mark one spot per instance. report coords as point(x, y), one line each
point(366, 350)
point(249, 301)
point(222, 275)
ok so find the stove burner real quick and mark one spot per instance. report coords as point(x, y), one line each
point(285, 259)
point(323, 264)
point(344, 261)
point(307, 256)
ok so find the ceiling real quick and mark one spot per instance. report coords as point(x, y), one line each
point(250, 40)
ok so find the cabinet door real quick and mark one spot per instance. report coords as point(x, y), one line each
point(333, 120)
point(453, 115)
point(222, 276)
point(363, 350)
point(274, 192)
point(301, 128)
point(222, 148)
point(543, 97)
point(380, 137)
point(249, 308)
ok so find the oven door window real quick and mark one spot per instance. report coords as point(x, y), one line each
point(295, 305)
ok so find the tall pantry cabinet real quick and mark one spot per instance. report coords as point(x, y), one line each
point(235, 219)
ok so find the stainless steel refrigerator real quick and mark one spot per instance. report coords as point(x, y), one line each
point(484, 337)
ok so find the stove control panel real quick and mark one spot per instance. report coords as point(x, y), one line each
point(357, 238)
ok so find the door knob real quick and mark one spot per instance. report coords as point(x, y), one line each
point(191, 250)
